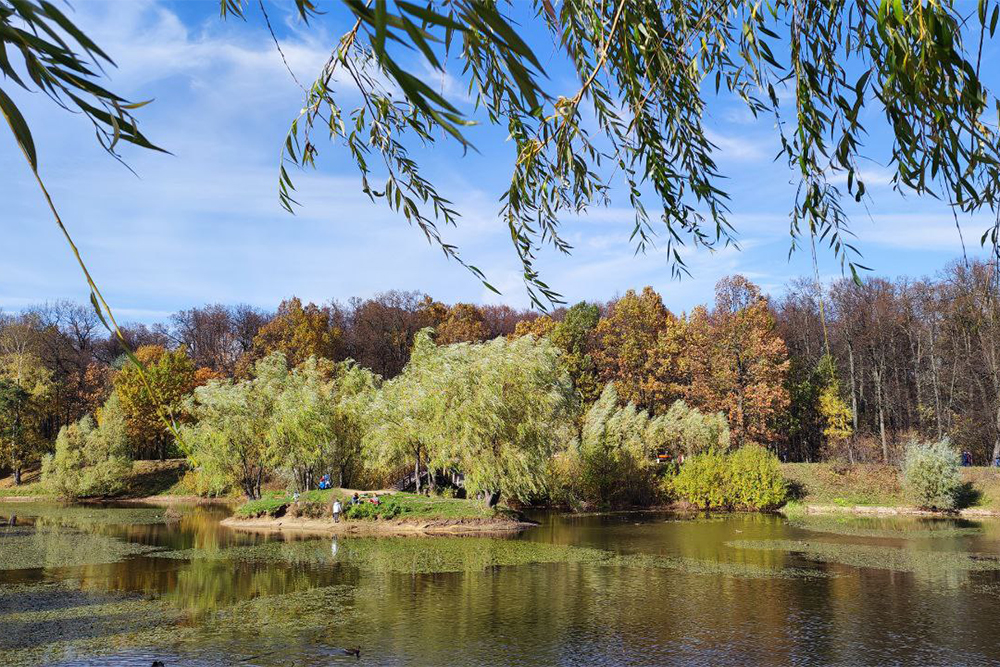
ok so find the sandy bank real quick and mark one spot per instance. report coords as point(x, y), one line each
point(411, 526)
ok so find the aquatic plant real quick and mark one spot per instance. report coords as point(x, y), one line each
point(907, 528)
point(32, 547)
point(897, 559)
point(409, 555)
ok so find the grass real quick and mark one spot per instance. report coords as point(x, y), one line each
point(876, 485)
point(148, 478)
point(31, 485)
point(316, 504)
point(833, 484)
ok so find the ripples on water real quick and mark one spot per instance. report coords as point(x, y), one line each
point(120, 586)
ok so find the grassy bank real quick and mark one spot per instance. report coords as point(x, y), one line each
point(874, 485)
point(395, 514)
point(316, 505)
point(148, 479)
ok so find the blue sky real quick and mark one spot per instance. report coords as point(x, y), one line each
point(204, 225)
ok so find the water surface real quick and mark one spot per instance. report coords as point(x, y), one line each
point(124, 586)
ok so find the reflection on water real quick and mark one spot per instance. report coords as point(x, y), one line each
point(123, 586)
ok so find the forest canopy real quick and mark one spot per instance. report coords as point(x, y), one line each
point(371, 388)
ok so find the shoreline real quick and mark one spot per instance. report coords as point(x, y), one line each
point(883, 510)
point(397, 527)
point(149, 500)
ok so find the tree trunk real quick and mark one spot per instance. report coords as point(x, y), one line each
point(416, 472)
point(877, 372)
point(17, 475)
point(996, 437)
point(854, 405)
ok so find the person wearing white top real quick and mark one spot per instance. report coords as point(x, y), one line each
point(337, 508)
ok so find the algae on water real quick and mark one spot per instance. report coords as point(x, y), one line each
point(884, 527)
point(48, 622)
point(898, 559)
point(408, 555)
point(29, 547)
point(83, 516)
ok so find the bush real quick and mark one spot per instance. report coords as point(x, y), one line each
point(388, 508)
point(90, 459)
point(197, 483)
point(931, 475)
point(703, 480)
point(757, 482)
point(748, 478)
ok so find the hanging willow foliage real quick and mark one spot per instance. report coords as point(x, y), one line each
point(647, 70)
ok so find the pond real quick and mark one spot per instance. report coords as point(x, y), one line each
point(82, 585)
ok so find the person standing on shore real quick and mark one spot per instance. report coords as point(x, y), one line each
point(337, 509)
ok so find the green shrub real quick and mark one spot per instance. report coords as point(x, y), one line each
point(704, 480)
point(197, 483)
point(748, 478)
point(388, 508)
point(90, 459)
point(931, 475)
point(757, 482)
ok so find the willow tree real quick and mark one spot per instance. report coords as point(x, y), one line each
point(508, 405)
point(318, 422)
point(492, 411)
point(824, 73)
point(233, 437)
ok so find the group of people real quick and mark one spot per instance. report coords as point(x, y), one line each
point(337, 507)
point(967, 459)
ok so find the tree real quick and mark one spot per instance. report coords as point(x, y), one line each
point(619, 447)
point(297, 331)
point(318, 420)
point(14, 439)
point(833, 410)
point(379, 332)
point(618, 459)
point(575, 337)
point(465, 323)
point(505, 410)
point(737, 361)
point(639, 348)
point(232, 438)
point(151, 402)
point(538, 327)
point(216, 336)
point(26, 390)
point(91, 459)
point(490, 411)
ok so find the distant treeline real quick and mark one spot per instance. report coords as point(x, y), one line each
point(893, 360)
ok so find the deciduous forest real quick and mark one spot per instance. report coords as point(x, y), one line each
point(851, 372)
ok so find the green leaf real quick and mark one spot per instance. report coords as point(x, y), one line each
point(20, 129)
